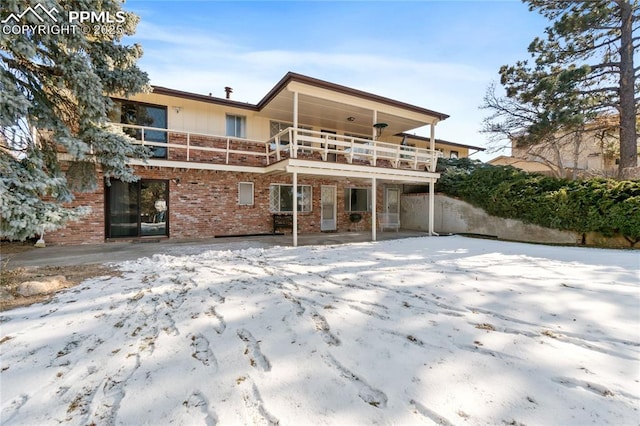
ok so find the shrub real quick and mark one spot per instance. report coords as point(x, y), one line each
point(599, 205)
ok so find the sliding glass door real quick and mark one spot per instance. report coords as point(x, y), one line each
point(137, 209)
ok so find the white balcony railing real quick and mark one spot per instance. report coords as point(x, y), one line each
point(191, 146)
point(289, 143)
point(330, 147)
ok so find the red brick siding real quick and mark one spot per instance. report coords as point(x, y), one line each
point(216, 157)
point(204, 204)
point(89, 229)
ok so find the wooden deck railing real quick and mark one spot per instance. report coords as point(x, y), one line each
point(179, 145)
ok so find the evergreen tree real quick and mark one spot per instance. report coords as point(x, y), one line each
point(59, 83)
point(583, 68)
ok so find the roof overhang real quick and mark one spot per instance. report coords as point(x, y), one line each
point(326, 105)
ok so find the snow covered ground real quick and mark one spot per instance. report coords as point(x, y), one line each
point(443, 330)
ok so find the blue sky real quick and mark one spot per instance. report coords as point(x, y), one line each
point(440, 55)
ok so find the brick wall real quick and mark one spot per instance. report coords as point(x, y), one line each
point(88, 230)
point(204, 204)
point(246, 158)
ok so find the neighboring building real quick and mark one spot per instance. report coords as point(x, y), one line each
point(222, 167)
point(594, 152)
point(526, 165)
point(445, 149)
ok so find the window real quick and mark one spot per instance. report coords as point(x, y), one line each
point(128, 112)
point(236, 126)
point(281, 198)
point(245, 193)
point(357, 199)
point(453, 154)
point(276, 127)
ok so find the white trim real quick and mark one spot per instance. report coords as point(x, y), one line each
point(294, 231)
point(300, 166)
point(198, 166)
point(357, 171)
point(373, 208)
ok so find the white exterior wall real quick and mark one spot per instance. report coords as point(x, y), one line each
point(201, 117)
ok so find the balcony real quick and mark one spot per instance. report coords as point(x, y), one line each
point(292, 143)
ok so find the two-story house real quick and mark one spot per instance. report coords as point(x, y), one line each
point(311, 156)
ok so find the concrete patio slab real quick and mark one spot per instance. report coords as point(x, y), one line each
point(111, 252)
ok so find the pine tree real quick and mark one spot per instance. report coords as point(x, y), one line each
point(583, 68)
point(59, 83)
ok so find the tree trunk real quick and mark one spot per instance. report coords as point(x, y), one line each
point(627, 110)
point(577, 142)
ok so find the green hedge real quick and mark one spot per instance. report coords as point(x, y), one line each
point(606, 206)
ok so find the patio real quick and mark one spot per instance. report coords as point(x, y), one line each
point(121, 251)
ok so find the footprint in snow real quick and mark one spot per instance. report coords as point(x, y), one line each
point(366, 392)
point(201, 350)
point(256, 357)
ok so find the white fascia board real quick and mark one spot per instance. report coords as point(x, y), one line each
point(355, 171)
point(197, 166)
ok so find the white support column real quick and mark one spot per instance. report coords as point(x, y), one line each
point(432, 146)
point(295, 109)
point(295, 209)
point(294, 139)
point(373, 209)
point(374, 136)
point(431, 205)
point(374, 133)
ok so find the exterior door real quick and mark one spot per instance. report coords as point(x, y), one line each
point(328, 208)
point(392, 207)
point(392, 201)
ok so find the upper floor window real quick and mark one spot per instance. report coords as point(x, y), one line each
point(276, 127)
point(236, 126)
point(453, 154)
point(147, 115)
